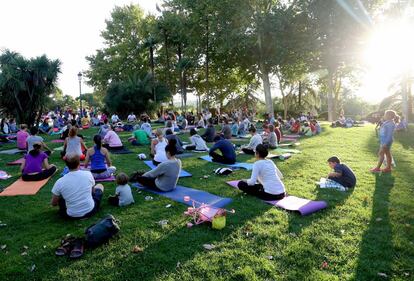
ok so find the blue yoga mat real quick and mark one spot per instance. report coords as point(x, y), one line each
point(183, 174)
point(237, 165)
point(198, 195)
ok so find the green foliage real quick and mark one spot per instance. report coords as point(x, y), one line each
point(25, 85)
point(135, 95)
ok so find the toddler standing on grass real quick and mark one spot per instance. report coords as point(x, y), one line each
point(386, 137)
point(123, 195)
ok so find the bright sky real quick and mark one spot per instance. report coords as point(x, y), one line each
point(67, 30)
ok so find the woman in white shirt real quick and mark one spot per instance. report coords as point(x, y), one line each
point(265, 182)
point(158, 148)
point(254, 142)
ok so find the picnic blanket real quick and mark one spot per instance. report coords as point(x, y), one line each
point(237, 165)
point(293, 203)
point(198, 195)
point(12, 151)
point(183, 173)
point(21, 187)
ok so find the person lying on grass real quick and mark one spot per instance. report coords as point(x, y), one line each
point(226, 148)
point(76, 193)
point(165, 176)
point(35, 166)
point(386, 137)
point(341, 174)
point(266, 179)
point(97, 155)
point(123, 194)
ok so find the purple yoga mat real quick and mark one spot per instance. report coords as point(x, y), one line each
point(57, 141)
point(293, 203)
point(111, 178)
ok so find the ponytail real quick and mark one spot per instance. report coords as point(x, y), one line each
point(97, 139)
point(36, 149)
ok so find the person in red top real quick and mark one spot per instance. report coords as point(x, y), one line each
point(22, 136)
point(295, 127)
point(278, 132)
point(313, 128)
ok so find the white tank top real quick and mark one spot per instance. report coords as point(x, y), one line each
point(73, 146)
point(160, 155)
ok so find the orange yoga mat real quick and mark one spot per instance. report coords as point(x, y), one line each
point(21, 187)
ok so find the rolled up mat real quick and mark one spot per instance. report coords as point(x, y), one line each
point(21, 187)
point(179, 192)
point(237, 165)
point(292, 203)
point(183, 174)
point(15, 163)
point(12, 151)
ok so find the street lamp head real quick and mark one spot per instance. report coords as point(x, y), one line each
point(80, 76)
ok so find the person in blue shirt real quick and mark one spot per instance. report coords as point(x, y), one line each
point(228, 154)
point(341, 174)
point(386, 138)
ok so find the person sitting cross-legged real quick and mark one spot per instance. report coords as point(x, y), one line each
point(265, 181)
point(228, 154)
point(255, 140)
point(97, 155)
point(35, 166)
point(76, 193)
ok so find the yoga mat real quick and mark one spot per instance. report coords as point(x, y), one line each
point(21, 187)
point(15, 163)
point(237, 165)
point(123, 151)
point(292, 203)
point(184, 155)
point(183, 174)
point(60, 148)
point(198, 195)
point(4, 175)
point(280, 150)
point(291, 136)
point(289, 144)
point(58, 141)
point(12, 151)
point(111, 178)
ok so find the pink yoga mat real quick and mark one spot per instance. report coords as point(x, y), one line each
point(111, 178)
point(15, 163)
point(293, 203)
point(58, 141)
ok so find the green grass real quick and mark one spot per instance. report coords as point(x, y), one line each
point(361, 233)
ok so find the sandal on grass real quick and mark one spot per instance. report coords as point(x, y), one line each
point(77, 248)
point(65, 246)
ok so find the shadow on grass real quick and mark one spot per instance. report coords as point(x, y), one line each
point(406, 138)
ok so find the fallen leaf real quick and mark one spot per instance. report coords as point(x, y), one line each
point(3, 247)
point(178, 265)
point(382, 274)
point(270, 257)
point(136, 249)
point(168, 206)
point(33, 268)
point(148, 198)
point(324, 265)
point(209, 246)
point(378, 219)
point(25, 247)
point(24, 254)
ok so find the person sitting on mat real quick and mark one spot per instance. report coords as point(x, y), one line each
point(123, 195)
point(112, 141)
point(76, 193)
point(146, 126)
point(228, 154)
point(98, 155)
point(85, 122)
point(210, 132)
point(341, 174)
point(235, 129)
point(104, 129)
point(254, 141)
point(169, 136)
point(158, 148)
point(73, 144)
point(266, 179)
point(35, 166)
point(295, 129)
point(140, 137)
point(272, 142)
point(165, 176)
point(226, 130)
point(197, 143)
point(44, 127)
point(22, 136)
point(34, 138)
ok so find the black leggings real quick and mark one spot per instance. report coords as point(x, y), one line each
point(40, 176)
point(258, 191)
point(341, 180)
point(248, 151)
point(221, 159)
point(148, 182)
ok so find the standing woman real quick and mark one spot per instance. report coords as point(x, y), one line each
point(165, 176)
point(158, 148)
point(97, 155)
point(35, 166)
point(73, 145)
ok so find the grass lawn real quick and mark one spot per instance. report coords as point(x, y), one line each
point(365, 234)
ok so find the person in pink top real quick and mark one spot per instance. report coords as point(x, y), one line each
point(22, 136)
point(112, 141)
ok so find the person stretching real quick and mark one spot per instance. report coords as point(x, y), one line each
point(158, 148)
point(228, 154)
point(76, 193)
point(35, 166)
point(98, 155)
point(265, 181)
point(165, 176)
point(254, 141)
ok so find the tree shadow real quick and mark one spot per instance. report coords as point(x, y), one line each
point(406, 138)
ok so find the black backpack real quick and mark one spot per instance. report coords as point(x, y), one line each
point(99, 233)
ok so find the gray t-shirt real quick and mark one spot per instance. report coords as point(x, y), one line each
point(31, 140)
point(166, 174)
point(125, 195)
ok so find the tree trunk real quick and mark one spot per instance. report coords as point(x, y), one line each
point(300, 95)
point(267, 91)
point(179, 53)
point(331, 115)
point(405, 99)
point(207, 65)
point(152, 72)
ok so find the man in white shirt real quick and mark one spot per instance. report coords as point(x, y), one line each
point(254, 142)
point(115, 118)
point(76, 193)
point(131, 118)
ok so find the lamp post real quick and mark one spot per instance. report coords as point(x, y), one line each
point(80, 93)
